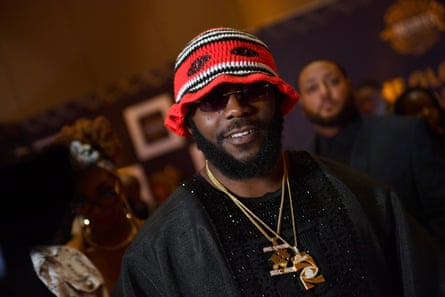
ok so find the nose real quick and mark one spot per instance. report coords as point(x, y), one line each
point(236, 106)
point(324, 89)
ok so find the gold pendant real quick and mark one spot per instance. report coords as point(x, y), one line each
point(284, 263)
point(309, 270)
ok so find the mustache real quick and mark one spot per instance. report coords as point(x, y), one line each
point(236, 124)
point(329, 99)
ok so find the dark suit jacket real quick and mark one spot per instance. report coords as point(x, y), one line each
point(400, 152)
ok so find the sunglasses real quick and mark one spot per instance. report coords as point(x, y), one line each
point(81, 206)
point(217, 99)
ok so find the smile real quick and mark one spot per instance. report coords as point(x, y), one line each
point(241, 134)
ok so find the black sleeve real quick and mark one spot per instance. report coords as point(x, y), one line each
point(418, 257)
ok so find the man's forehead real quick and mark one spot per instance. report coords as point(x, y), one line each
point(322, 67)
point(314, 72)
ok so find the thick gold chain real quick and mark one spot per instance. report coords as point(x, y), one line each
point(256, 221)
point(283, 261)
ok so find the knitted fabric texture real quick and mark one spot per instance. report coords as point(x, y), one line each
point(222, 55)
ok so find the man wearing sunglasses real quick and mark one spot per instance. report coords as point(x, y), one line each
point(260, 221)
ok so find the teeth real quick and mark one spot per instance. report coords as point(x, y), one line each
point(240, 134)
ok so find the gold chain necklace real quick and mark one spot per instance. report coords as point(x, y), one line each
point(286, 258)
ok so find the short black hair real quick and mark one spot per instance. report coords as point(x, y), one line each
point(339, 67)
point(398, 107)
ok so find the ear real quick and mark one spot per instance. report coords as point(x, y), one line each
point(188, 119)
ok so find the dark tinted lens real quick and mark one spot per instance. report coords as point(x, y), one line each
point(81, 207)
point(257, 91)
point(217, 99)
point(108, 199)
point(213, 102)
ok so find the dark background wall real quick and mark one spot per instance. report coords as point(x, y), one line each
point(349, 32)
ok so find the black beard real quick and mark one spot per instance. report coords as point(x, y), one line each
point(348, 112)
point(257, 166)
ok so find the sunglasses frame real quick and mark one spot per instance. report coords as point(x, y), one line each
point(82, 206)
point(215, 102)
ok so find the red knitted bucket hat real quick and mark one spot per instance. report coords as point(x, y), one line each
point(222, 55)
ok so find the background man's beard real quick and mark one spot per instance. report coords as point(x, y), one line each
point(348, 112)
point(266, 158)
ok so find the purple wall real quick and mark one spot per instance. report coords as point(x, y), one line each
point(349, 32)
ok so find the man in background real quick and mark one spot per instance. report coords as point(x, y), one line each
point(369, 98)
point(396, 150)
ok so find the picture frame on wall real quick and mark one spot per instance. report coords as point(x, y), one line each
point(145, 123)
